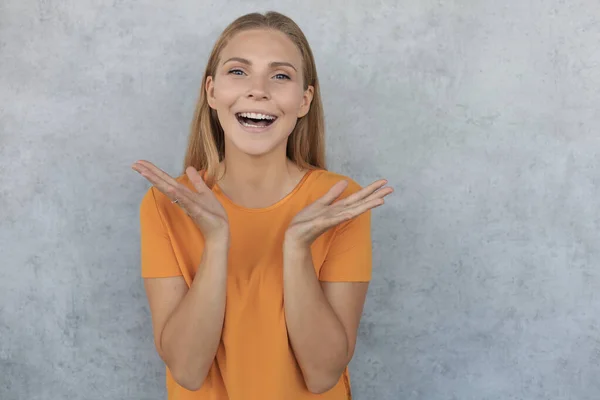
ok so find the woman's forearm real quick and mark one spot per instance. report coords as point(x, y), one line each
point(316, 334)
point(191, 336)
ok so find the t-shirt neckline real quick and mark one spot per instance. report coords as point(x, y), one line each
point(281, 201)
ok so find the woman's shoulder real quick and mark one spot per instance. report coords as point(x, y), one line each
point(323, 180)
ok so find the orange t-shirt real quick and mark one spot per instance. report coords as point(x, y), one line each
point(254, 360)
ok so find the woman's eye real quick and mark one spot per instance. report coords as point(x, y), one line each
point(235, 72)
point(282, 76)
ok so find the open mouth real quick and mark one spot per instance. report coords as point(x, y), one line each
point(255, 120)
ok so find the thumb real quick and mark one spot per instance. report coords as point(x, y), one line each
point(196, 179)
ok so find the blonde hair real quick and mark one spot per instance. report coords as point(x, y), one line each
point(305, 146)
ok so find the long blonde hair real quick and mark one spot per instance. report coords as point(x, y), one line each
point(306, 144)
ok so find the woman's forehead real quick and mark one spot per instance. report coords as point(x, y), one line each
point(262, 46)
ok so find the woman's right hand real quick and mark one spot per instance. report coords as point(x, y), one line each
point(202, 206)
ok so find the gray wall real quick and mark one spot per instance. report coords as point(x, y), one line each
point(484, 115)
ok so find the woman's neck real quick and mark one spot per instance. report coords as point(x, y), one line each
point(258, 182)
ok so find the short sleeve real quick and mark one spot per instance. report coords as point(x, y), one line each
point(349, 257)
point(157, 256)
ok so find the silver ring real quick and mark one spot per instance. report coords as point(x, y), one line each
point(175, 201)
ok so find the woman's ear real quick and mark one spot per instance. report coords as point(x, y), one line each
point(306, 100)
point(210, 92)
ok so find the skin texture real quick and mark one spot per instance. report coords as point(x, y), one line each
point(187, 323)
point(257, 171)
point(323, 317)
point(259, 70)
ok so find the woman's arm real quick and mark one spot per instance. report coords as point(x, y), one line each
point(187, 324)
point(322, 321)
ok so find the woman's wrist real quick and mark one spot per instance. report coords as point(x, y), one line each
point(218, 241)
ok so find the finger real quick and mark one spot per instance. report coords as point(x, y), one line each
point(374, 200)
point(333, 193)
point(378, 194)
point(171, 188)
point(196, 179)
point(152, 176)
point(182, 196)
point(364, 192)
point(356, 211)
point(181, 193)
point(366, 206)
point(158, 172)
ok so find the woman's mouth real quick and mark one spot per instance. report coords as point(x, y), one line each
point(255, 120)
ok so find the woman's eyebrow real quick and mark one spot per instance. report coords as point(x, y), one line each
point(273, 64)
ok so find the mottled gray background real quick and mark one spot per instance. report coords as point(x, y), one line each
point(484, 115)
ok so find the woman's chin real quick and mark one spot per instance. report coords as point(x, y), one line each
point(257, 148)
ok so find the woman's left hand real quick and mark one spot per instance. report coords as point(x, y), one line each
point(323, 214)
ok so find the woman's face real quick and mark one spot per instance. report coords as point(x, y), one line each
point(257, 91)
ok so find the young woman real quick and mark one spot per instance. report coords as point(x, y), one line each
point(256, 260)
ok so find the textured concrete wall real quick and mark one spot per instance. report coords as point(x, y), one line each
point(483, 114)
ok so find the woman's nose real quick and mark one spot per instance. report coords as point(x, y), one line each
point(259, 89)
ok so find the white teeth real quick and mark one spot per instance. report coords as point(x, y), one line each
point(256, 116)
point(251, 126)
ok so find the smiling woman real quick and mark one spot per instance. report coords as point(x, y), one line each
point(256, 260)
point(259, 76)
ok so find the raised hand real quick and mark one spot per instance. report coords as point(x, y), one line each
point(202, 206)
point(324, 214)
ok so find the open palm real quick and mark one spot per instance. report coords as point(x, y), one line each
point(323, 214)
point(202, 206)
